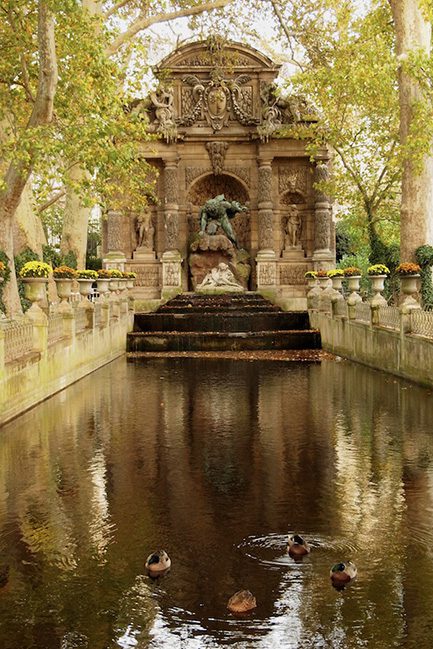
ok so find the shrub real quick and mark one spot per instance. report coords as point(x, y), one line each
point(424, 256)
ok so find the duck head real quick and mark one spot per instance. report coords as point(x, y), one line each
point(297, 546)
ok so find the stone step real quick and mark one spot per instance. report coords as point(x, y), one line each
point(217, 341)
point(226, 321)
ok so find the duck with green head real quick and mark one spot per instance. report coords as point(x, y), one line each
point(342, 574)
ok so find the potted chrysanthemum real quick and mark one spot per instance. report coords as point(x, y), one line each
point(409, 274)
point(63, 277)
point(85, 279)
point(377, 275)
point(35, 275)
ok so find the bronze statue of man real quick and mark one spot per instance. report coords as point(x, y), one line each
point(216, 213)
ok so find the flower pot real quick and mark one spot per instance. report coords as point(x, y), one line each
point(123, 285)
point(114, 285)
point(103, 286)
point(377, 285)
point(64, 288)
point(323, 282)
point(85, 287)
point(313, 293)
point(337, 283)
point(353, 286)
point(35, 290)
point(409, 286)
point(129, 283)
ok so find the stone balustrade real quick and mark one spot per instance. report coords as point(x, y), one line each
point(40, 357)
point(398, 340)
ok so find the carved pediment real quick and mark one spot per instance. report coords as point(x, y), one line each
point(216, 51)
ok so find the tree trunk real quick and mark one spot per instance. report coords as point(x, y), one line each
point(413, 32)
point(28, 230)
point(75, 221)
point(19, 171)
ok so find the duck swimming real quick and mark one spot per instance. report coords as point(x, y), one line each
point(298, 547)
point(158, 562)
point(342, 574)
point(241, 602)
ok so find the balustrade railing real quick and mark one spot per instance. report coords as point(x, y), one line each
point(422, 323)
point(18, 339)
point(389, 316)
point(363, 312)
point(55, 327)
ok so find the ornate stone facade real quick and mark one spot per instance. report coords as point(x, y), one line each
point(217, 114)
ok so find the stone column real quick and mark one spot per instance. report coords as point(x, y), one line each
point(115, 240)
point(323, 256)
point(266, 257)
point(171, 258)
point(171, 205)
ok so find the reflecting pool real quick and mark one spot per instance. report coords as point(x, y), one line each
point(216, 461)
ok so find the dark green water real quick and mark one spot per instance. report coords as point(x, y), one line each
point(216, 461)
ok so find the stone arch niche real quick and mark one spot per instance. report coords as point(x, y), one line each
point(210, 186)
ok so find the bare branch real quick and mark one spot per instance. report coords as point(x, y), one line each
point(143, 22)
point(51, 201)
point(116, 7)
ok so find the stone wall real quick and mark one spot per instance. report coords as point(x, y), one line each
point(393, 348)
point(38, 360)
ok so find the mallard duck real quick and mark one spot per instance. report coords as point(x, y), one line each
point(342, 574)
point(158, 562)
point(4, 575)
point(297, 546)
point(241, 602)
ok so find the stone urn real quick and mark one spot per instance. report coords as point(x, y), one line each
point(313, 293)
point(123, 285)
point(35, 289)
point(353, 282)
point(130, 283)
point(63, 288)
point(377, 285)
point(323, 282)
point(85, 287)
point(337, 285)
point(409, 286)
point(114, 287)
point(103, 286)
